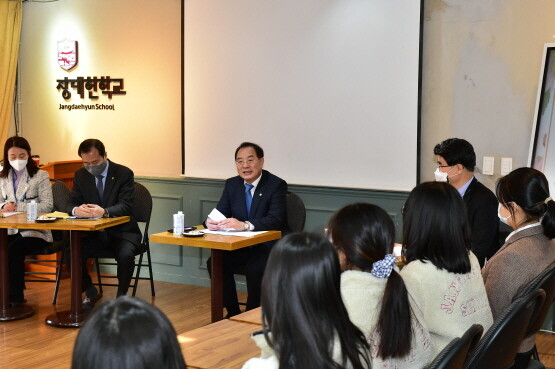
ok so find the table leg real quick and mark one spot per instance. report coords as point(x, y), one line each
point(75, 317)
point(7, 311)
point(217, 282)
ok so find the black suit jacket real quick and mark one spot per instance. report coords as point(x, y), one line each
point(481, 206)
point(268, 208)
point(119, 191)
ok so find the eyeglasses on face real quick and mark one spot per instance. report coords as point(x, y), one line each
point(248, 161)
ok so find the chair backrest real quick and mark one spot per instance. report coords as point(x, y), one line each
point(142, 205)
point(454, 355)
point(500, 343)
point(296, 212)
point(546, 282)
point(60, 194)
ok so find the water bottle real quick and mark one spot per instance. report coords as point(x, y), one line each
point(32, 211)
point(178, 222)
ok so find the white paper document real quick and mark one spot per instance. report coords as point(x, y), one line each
point(233, 233)
point(9, 214)
point(216, 215)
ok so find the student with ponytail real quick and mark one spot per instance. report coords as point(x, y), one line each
point(372, 289)
point(526, 206)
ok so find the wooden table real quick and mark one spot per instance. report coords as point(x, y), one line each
point(75, 316)
point(225, 344)
point(253, 316)
point(218, 245)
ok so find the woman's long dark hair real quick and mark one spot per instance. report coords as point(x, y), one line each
point(435, 227)
point(127, 333)
point(529, 189)
point(21, 143)
point(302, 306)
point(365, 233)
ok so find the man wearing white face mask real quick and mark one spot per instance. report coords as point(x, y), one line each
point(456, 161)
point(103, 188)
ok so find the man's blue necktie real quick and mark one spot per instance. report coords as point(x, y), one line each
point(248, 198)
point(100, 186)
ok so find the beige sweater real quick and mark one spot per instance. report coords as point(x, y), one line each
point(447, 303)
point(523, 257)
point(362, 294)
point(269, 360)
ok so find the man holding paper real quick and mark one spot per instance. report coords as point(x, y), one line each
point(103, 188)
point(252, 201)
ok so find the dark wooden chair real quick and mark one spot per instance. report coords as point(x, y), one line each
point(455, 354)
point(546, 282)
point(499, 345)
point(142, 209)
point(60, 194)
point(296, 212)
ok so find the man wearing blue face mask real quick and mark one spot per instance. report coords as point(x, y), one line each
point(456, 161)
point(103, 188)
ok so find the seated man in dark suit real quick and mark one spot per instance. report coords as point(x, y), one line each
point(252, 201)
point(455, 164)
point(103, 188)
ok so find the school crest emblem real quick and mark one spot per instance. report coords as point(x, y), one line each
point(67, 54)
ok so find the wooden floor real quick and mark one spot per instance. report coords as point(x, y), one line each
point(546, 349)
point(29, 343)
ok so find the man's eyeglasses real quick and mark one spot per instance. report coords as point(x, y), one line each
point(248, 161)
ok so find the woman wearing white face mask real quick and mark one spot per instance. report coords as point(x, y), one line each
point(526, 206)
point(21, 181)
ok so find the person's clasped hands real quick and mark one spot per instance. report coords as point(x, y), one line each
point(89, 211)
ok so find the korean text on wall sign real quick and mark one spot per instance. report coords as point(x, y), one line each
point(91, 85)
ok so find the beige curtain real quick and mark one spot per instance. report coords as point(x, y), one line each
point(10, 30)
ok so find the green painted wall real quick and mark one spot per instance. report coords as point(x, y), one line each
point(197, 197)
